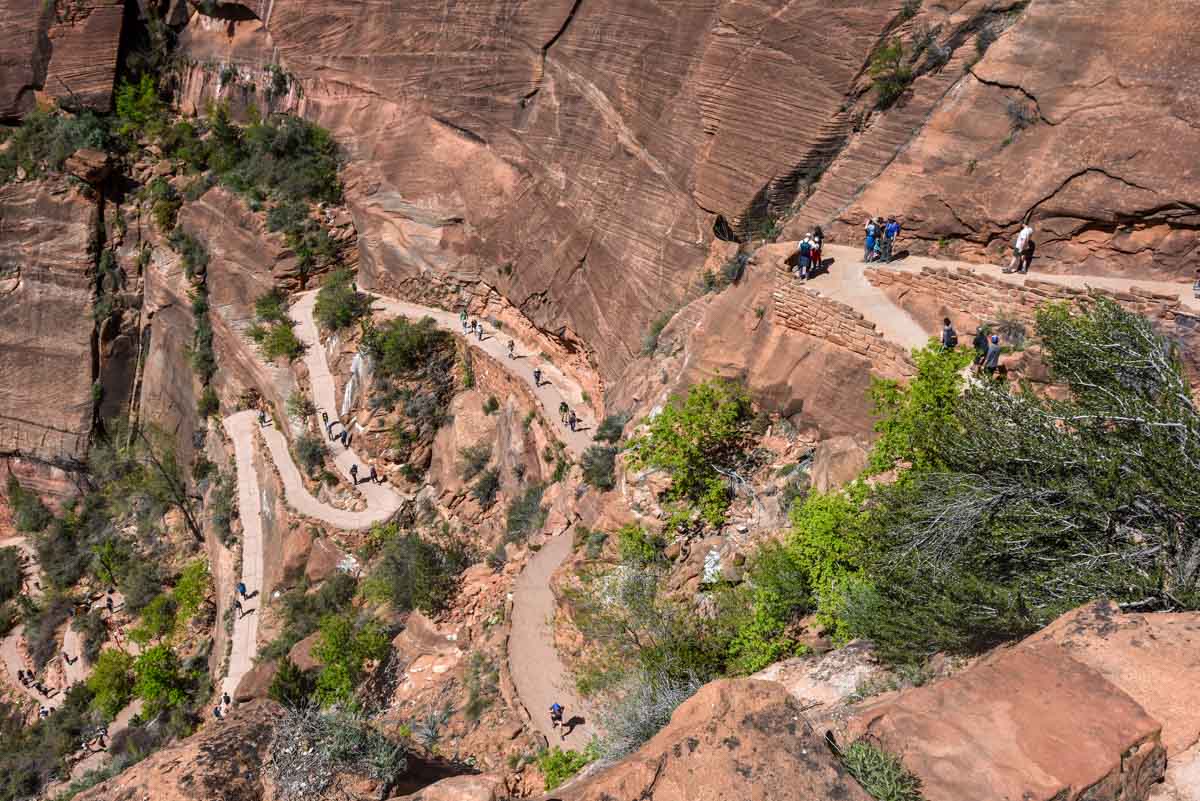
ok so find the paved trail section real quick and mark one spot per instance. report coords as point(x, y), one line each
point(538, 672)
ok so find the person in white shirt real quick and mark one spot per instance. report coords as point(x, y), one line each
point(1019, 248)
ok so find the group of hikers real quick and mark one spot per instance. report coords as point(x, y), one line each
point(880, 239)
point(987, 347)
point(344, 438)
point(808, 256)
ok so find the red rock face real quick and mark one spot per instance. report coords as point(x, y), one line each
point(66, 49)
point(46, 369)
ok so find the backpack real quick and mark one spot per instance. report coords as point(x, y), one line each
point(952, 339)
point(805, 248)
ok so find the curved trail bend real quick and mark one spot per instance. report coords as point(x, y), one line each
point(538, 672)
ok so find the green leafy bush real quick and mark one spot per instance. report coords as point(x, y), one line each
point(292, 686)
point(302, 611)
point(208, 404)
point(310, 453)
point(474, 459)
point(637, 545)
point(11, 573)
point(403, 348)
point(339, 305)
point(157, 620)
point(222, 506)
point(191, 590)
point(29, 513)
point(611, 428)
point(164, 205)
point(159, 680)
point(343, 647)
point(278, 341)
point(694, 439)
point(650, 341)
point(491, 405)
point(558, 765)
point(139, 109)
point(111, 682)
point(890, 73)
point(525, 514)
point(759, 612)
point(599, 467)
point(45, 140)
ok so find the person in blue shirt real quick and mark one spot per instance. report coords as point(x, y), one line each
point(556, 715)
point(890, 232)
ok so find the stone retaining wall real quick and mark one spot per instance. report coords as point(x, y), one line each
point(985, 297)
point(807, 311)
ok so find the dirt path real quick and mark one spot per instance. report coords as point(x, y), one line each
point(538, 672)
point(846, 282)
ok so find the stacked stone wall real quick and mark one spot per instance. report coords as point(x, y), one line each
point(807, 311)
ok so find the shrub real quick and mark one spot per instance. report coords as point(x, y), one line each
point(164, 205)
point(826, 538)
point(414, 573)
point(292, 686)
point(42, 623)
point(639, 546)
point(611, 428)
point(302, 611)
point(191, 590)
point(694, 439)
point(300, 405)
point(193, 253)
point(650, 341)
point(343, 646)
point(491, 405)
point(111, 682)
point(159, 680)
point(11, 573)
point(208, 404)
point(29, 513)
point(642, 706)
point(881, 774)
point(909, 9)
point(890, 73)
point(140, 585)
point(404, 348)
point(158, 620)
point(271, 307)
point(481, 683)
point(557, 765)
point(222, 507)
point(277, 341)
point(310, 453)
point(339, 305)
point(760, 611)
point(474, 459)
point(525, 514)
point(139, 109)
point(93, 631)
point(486, 487)
point(45, 140)
point(599, 467)
point(310, 748)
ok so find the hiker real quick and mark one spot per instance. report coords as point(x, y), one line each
point(262, 417)
point(878, 255)
point(804, 258)
point(108, 603)
point(556, 715)
point(325, 420)
point(1027, 255)
point(225, 697)
point(511, 345)
point(241, 589)
point(980, 343)
point(1196, 284)
point(345, 438)
point(217, 712)
point(67, 658)
point(479, 331)
point(869, 246)
point(1019, 249)
point(949, 335)
point(562, 410)
point(537, 376)
point(374, 475)
point(815, 251)
point(992, 360)
point(44, 712)
point(237, 605)
point(462, 319)
point(890, 232)
point(354, 473)
point(572, 419)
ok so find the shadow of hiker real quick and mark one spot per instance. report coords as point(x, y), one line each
point(252, 595)
point(572, 724)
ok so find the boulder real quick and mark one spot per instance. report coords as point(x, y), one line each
point(218, 763)
point(735, 739)
point(836, 462)
point(459, 788)
point(257, 682)
point(297, 547)
point(323, 560)
point(823, 681)
point(89, 165)
point(302, 653)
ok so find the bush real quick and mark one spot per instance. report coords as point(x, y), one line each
point(164, 204)
point(208, 404)
point(277, 341)
point(599, 467)
point(42, 623)
point(486, 487)
point(193, 253)
point(638, 546)
point(300, 405)
point(881, 774)
point(158, 620)
point(403, 348)
point(191, 590)
point(491, 405)
point(909, 9)
point(338, 304)
point(222, 507)
point(93, 631)
point(159, 680)
point(310, 453)
point(474, 459)
point(29, 513)
point(310, 748)
point(343, 647)
point(139, 109)
point(827, 539)
point(292, 686)
point(890, 73)
point(642, 706)
point(111, 682)
point(271, 307)
point(302, 611)
point(140, 585)
point(45, 140)
point(31, 756)
point(414, 573)
point(611, 428)
point(650, 341)
point(759, 612)
point(694, 439)
point(12, 573)
point(481, 683)
point(557, 765)
point(525, 514)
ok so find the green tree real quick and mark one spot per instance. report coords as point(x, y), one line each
point(111, 682)
point(159, 680)
point(157, 621)
point(343, 648)
point(699, 440)
point(890, 73)
point(139, 108)
point(339, 305)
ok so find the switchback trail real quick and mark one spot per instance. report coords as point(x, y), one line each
point(538, 672)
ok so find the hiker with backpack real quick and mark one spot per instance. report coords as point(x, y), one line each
point(556, 716)
point(1019, 249)
point(872, 232)
point(890, 232)
point(949, 335)
point(804, 258)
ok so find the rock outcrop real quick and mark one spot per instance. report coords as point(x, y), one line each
point(740, 739)
point(219, 763)
point(66, 49)
point(1093, 707)
point(47, 230)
